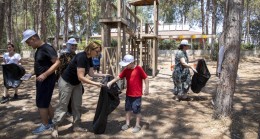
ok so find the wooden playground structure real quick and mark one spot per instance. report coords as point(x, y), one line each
point(142, 43)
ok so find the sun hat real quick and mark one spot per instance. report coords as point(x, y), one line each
point(27, 34)
point(127, 60)
point(185, 42)
point(72, 41)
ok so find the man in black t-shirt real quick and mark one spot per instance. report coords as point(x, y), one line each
point(46, 62)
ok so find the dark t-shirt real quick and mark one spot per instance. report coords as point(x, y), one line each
point(43, 56)
point(79, 61)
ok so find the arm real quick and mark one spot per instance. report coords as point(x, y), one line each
point(54, 66)
point(92, 74)
point(146, 90)
point(192, 61)
point(113, 81)
point(186, 65)
point(82, 78)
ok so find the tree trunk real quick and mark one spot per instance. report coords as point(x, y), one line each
point(2, 19)
point(247, 22)
point(203, 22)
point(43, 20)
point(214, 26)
point(56, 39)
point(72, 18)
point(207, 16)
point(66, 22)
point(88, 21)
point(9, 22)
point(232, 40)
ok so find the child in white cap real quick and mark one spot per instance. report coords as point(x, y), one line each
point(134, 75)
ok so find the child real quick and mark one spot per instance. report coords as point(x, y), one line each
point(134, 76)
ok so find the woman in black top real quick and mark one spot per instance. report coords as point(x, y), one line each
point(70, 85)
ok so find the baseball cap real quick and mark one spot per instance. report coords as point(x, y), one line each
point(72, 41)
point(27, 34)
point(64, 44)
point(185, 42)
point(127, 60)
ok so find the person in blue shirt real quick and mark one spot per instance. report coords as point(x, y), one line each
point(96, 62)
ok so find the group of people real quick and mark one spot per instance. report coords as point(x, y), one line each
point(71, 69)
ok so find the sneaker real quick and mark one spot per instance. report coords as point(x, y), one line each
point(41, 129)
point(4, 99)
point(68, 114)
point(136, 129)
point(125, 127)
point(50, 123)
point(15, 97)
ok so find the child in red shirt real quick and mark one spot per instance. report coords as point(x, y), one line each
point(134, 76)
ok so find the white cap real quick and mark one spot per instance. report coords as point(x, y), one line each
point(64, 44)
point(185, 42)
point(27, 34)
point(72, 41)
point(127, 60)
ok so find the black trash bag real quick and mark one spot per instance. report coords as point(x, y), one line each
point(107, 102)
point(12, 74)
point(200, 79)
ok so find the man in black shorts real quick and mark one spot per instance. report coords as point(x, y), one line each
point(46, 62)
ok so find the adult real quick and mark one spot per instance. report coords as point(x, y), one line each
point(70, 85)
point(65, 58)
point(64, 48)
point(67, 55)
point(10, 57)
point(181, 74)
point(46, 62)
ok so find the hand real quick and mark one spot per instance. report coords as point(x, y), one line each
point(99, 84)
point(146, 91)
point(105, 75)
point(41, 78)
point(194, 70)
point(109, 84)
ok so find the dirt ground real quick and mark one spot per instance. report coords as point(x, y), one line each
point(163, 117)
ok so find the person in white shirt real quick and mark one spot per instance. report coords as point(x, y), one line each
point(8, 58)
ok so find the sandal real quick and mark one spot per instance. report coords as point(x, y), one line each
point(125, 127)
point(136, 129)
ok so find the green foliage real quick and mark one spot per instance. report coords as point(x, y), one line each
point(167, 45)
point(247, 46)
point(113, 43)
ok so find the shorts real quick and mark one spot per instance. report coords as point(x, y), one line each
point(44, 91)
point(96, 67)
point(133, 104)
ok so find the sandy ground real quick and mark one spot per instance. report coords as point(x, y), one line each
point(163, 117)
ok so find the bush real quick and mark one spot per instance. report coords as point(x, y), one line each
point(167, 45)
point(247, 46)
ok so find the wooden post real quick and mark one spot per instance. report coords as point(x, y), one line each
point(118, 58)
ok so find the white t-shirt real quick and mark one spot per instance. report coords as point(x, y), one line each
point(13, 59)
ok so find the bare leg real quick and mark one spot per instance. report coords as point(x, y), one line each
point(15, 90)
point(55, 133)
point(5, 92)
point(128, 117)
point(138, 120)
point(44, 115)
point(50, 112)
